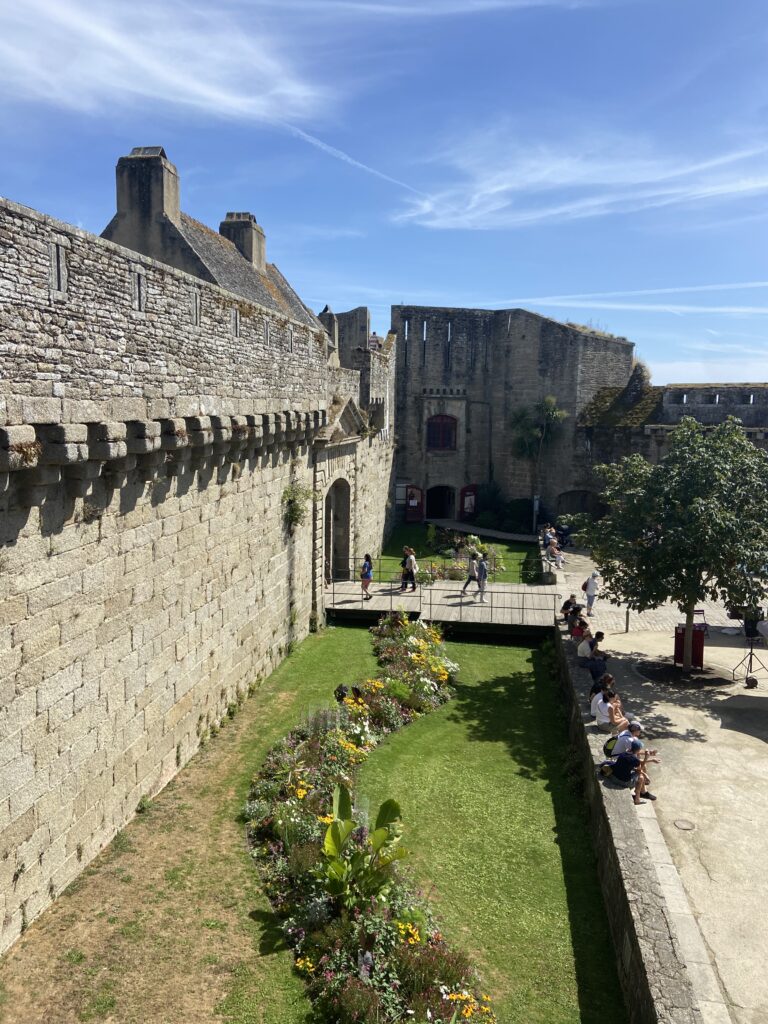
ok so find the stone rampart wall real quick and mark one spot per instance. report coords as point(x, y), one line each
point(652, 968)
point(147, 575)
point(112, 335)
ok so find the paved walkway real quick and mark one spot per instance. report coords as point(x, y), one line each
point(506, 603)
point(713, 742)
point(613, 618)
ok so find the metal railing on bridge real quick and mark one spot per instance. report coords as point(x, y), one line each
point(440, 597)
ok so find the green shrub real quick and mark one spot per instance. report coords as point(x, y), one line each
point(357, 1002)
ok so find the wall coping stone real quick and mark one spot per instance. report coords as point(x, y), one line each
point(664, 968)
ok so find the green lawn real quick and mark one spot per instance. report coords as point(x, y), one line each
point(511, 554)
point(501, 841)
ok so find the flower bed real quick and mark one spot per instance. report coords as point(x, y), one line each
point(364, 937)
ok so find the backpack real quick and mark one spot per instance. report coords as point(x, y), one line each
point(584, 586)
point(608, 746)
point(605, 769)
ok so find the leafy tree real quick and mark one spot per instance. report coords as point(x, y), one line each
point(533, 428)
point(692, 527)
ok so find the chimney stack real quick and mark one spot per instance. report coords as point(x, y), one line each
point(242, 230)
point(147, 186)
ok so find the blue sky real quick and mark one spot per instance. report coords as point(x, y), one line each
point(603, 161)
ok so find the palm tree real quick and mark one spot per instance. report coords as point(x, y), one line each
point(533, 428)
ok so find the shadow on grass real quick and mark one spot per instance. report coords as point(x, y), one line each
point(524, 711)
point(272, 937)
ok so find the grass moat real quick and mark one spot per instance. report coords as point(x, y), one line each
point(171, 923)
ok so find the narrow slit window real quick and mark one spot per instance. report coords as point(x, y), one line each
point(290, 339)
point(423, 342)
point(751, 399)
point(58, 267)
point(685, 399)
point(196, 307)
point(235, 322)
point(717, 399)
point(450, 331)
point(139, 291)
point(267, 331)
point(405, 329)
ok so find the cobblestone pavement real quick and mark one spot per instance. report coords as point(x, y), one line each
point(713, 742)
point(613, 618)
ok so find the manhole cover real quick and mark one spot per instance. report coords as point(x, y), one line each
point(684, 825)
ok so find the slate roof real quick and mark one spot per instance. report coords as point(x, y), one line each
point(232, 271)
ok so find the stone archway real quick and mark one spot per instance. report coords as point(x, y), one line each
point(337, 524)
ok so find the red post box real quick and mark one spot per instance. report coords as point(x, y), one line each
point(697, 652)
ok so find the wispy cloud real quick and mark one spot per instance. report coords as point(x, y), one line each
point(428, 8)
point(503, 181)
point(674, 290)
point(222, 62)
point(95, 54)
point(658, 307)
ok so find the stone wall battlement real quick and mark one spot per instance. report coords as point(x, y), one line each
point(91, 331)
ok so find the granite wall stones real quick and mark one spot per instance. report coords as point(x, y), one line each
point(149, 425)
point(479, 367)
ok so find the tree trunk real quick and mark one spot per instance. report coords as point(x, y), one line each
point(688, 639)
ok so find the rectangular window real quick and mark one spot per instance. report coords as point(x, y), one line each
point(58, 274)
point(195, 307)
point(235, 322)
point(138, 291)
point(423, 342)
point(441, 434)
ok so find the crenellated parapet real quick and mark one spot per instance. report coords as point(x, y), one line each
point(35, 457)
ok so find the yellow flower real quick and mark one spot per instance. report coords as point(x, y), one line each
point(305, 965)
point(325, 819)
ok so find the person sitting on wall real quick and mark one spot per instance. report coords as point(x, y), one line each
point(624, 740)
point(609, 714)
point(579, 626)
point(554, 554)
point(629, 771)
point(567, 605)
point(599, 691)
point(597, 662)
point(605, 681)
point(584, 650)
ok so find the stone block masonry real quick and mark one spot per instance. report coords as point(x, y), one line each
point(147, 575)
point(89, 355)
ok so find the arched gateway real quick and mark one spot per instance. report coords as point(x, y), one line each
point(337, 521)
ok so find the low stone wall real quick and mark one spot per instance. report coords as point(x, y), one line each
point(652, 969)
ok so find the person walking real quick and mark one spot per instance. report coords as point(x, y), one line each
point(411, 568)
point(404, 569)
point(591, 588)
point(482, 578)
point(366, 575)
point(471, 573)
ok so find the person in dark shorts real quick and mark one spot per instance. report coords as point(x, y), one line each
point(629, 772)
